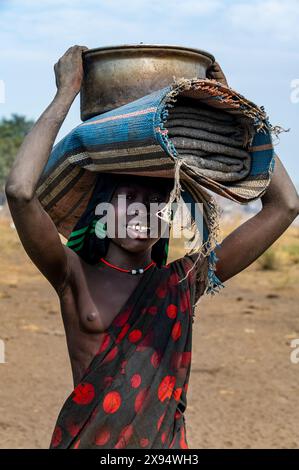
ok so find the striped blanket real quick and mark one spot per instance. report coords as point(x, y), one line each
point(134, 139)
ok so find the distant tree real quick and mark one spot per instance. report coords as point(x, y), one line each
point(12, 133)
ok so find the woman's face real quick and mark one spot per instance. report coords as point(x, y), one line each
point(136, 226)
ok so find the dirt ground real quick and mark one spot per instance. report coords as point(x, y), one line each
point(243, 390)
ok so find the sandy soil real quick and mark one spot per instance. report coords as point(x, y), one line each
point(243, 389)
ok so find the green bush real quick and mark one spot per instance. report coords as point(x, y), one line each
point(269, 260)
point(293, 252)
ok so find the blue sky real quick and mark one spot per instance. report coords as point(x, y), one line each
point(255, 41)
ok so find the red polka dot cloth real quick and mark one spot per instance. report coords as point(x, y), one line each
point(133, 394)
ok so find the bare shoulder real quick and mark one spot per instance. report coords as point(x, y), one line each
point(195, 268)
point(195, 262)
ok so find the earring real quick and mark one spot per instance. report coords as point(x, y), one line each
point(100, 229)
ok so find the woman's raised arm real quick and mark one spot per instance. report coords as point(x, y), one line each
point(35, 228)
point(280, 206)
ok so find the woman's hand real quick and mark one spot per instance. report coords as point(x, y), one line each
point(69, 70)
point(215, 72)
point(34, 152)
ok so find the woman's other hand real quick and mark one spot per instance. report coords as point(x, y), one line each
point(215, 72)
point(69, 70)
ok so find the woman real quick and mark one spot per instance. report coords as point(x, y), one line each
point(129, 336)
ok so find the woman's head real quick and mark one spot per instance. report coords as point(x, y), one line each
point(132, 201)
point(131, 221)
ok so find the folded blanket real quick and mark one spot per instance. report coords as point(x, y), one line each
point(209, 141)
point(208, 150)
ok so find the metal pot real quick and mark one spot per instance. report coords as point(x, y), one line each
point(116, 75)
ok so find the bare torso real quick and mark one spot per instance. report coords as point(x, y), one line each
point(89, 303)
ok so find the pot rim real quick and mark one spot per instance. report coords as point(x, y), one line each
point(148, 46)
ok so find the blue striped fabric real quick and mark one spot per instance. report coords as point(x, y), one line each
point(133, 139)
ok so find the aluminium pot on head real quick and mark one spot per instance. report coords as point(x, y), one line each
point(117, 75)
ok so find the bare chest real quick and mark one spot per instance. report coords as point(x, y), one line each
point(88, 308)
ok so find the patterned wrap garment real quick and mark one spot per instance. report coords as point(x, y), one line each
point(133, 394)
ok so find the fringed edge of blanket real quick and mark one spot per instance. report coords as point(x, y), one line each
point(206, 249)
point(261, 123)
point(234, 99)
